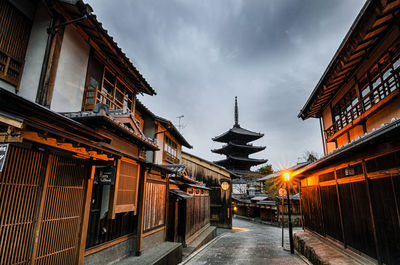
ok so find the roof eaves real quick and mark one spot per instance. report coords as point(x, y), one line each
point(302, 114)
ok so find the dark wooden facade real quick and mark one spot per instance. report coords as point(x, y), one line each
point(360, 210)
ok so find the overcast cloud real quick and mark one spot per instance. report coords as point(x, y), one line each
point(199, 55)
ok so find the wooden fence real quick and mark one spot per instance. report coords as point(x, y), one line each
point(362, 210)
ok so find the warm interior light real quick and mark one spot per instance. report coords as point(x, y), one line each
point(234, 208)
point(286, 176)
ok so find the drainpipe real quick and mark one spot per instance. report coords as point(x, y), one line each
point(40, 91)
point(322, 135)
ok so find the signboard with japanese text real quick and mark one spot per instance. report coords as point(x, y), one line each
point(3, 155)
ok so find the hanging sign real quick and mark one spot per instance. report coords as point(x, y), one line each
point(3, 155)
point(105, 175)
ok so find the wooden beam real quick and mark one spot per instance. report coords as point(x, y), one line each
point(35, 137)
point(11, 122)
point(85, 217)
point(140, 210)
point(340, 208)
point(371, 210)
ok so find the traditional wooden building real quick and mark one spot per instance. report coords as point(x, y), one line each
point(75, 187)
point(219, 180)
point(351, 195)
point(165, 135)
point(237, 149)
point(189, 206)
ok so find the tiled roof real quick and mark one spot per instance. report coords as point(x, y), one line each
point(110, 117)
point(237, 132)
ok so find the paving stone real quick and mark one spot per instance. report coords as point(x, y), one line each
point(247, 243)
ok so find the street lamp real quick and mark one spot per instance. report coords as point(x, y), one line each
point(286, 178)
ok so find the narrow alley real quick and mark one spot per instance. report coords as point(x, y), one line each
point(247, 243)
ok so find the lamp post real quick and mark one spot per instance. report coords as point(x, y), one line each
point(286, 177)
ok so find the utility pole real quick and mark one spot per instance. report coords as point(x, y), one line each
point(180, 125)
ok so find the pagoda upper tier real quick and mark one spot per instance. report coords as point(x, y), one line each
point(238, 149)
point(238, 135)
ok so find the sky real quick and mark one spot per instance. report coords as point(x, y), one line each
point(199, 55)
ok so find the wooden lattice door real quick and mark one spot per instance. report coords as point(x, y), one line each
point(20, 184)
point(60, 219)
point(41, 204)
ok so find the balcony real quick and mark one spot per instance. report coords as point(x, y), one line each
point(369, 102)
point(170, 158)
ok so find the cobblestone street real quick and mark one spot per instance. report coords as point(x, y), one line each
point(247, 243)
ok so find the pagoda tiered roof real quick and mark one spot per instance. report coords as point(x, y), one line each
point(240, 163)
point(234, 148)
point(238, 132)
point(237, 149)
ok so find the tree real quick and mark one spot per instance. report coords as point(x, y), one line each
point(310, 156)
point(266, 170)
point(271, 187)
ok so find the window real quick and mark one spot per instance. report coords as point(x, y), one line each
point(14, 31)
point(170, 147)
point(345, 106)
point(103, 86)
point(124, 196)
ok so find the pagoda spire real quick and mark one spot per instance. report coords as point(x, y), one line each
point(236, 114)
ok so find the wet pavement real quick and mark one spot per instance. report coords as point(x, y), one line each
point(247, 243)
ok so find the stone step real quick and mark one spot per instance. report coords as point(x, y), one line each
point(166, 253)
point(320, 251)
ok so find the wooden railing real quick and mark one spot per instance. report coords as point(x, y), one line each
point(374, 96)
point(170, 158)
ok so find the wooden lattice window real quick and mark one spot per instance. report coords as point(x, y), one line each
point(15, 28)
point(154, 211)
point(104, 86)
point(124, 196)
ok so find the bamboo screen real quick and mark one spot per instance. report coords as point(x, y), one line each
point(14, 35)
point(154, 211)
point(126, 186)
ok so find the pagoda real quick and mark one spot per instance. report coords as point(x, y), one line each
point(237, 148)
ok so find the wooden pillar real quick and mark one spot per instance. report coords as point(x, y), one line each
point(166, 216)
point(85, 216)
point(301, 207)
point(371, 210)
point(41, 209)
point(340, 209)
point(321, 207)
point(140, 211)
